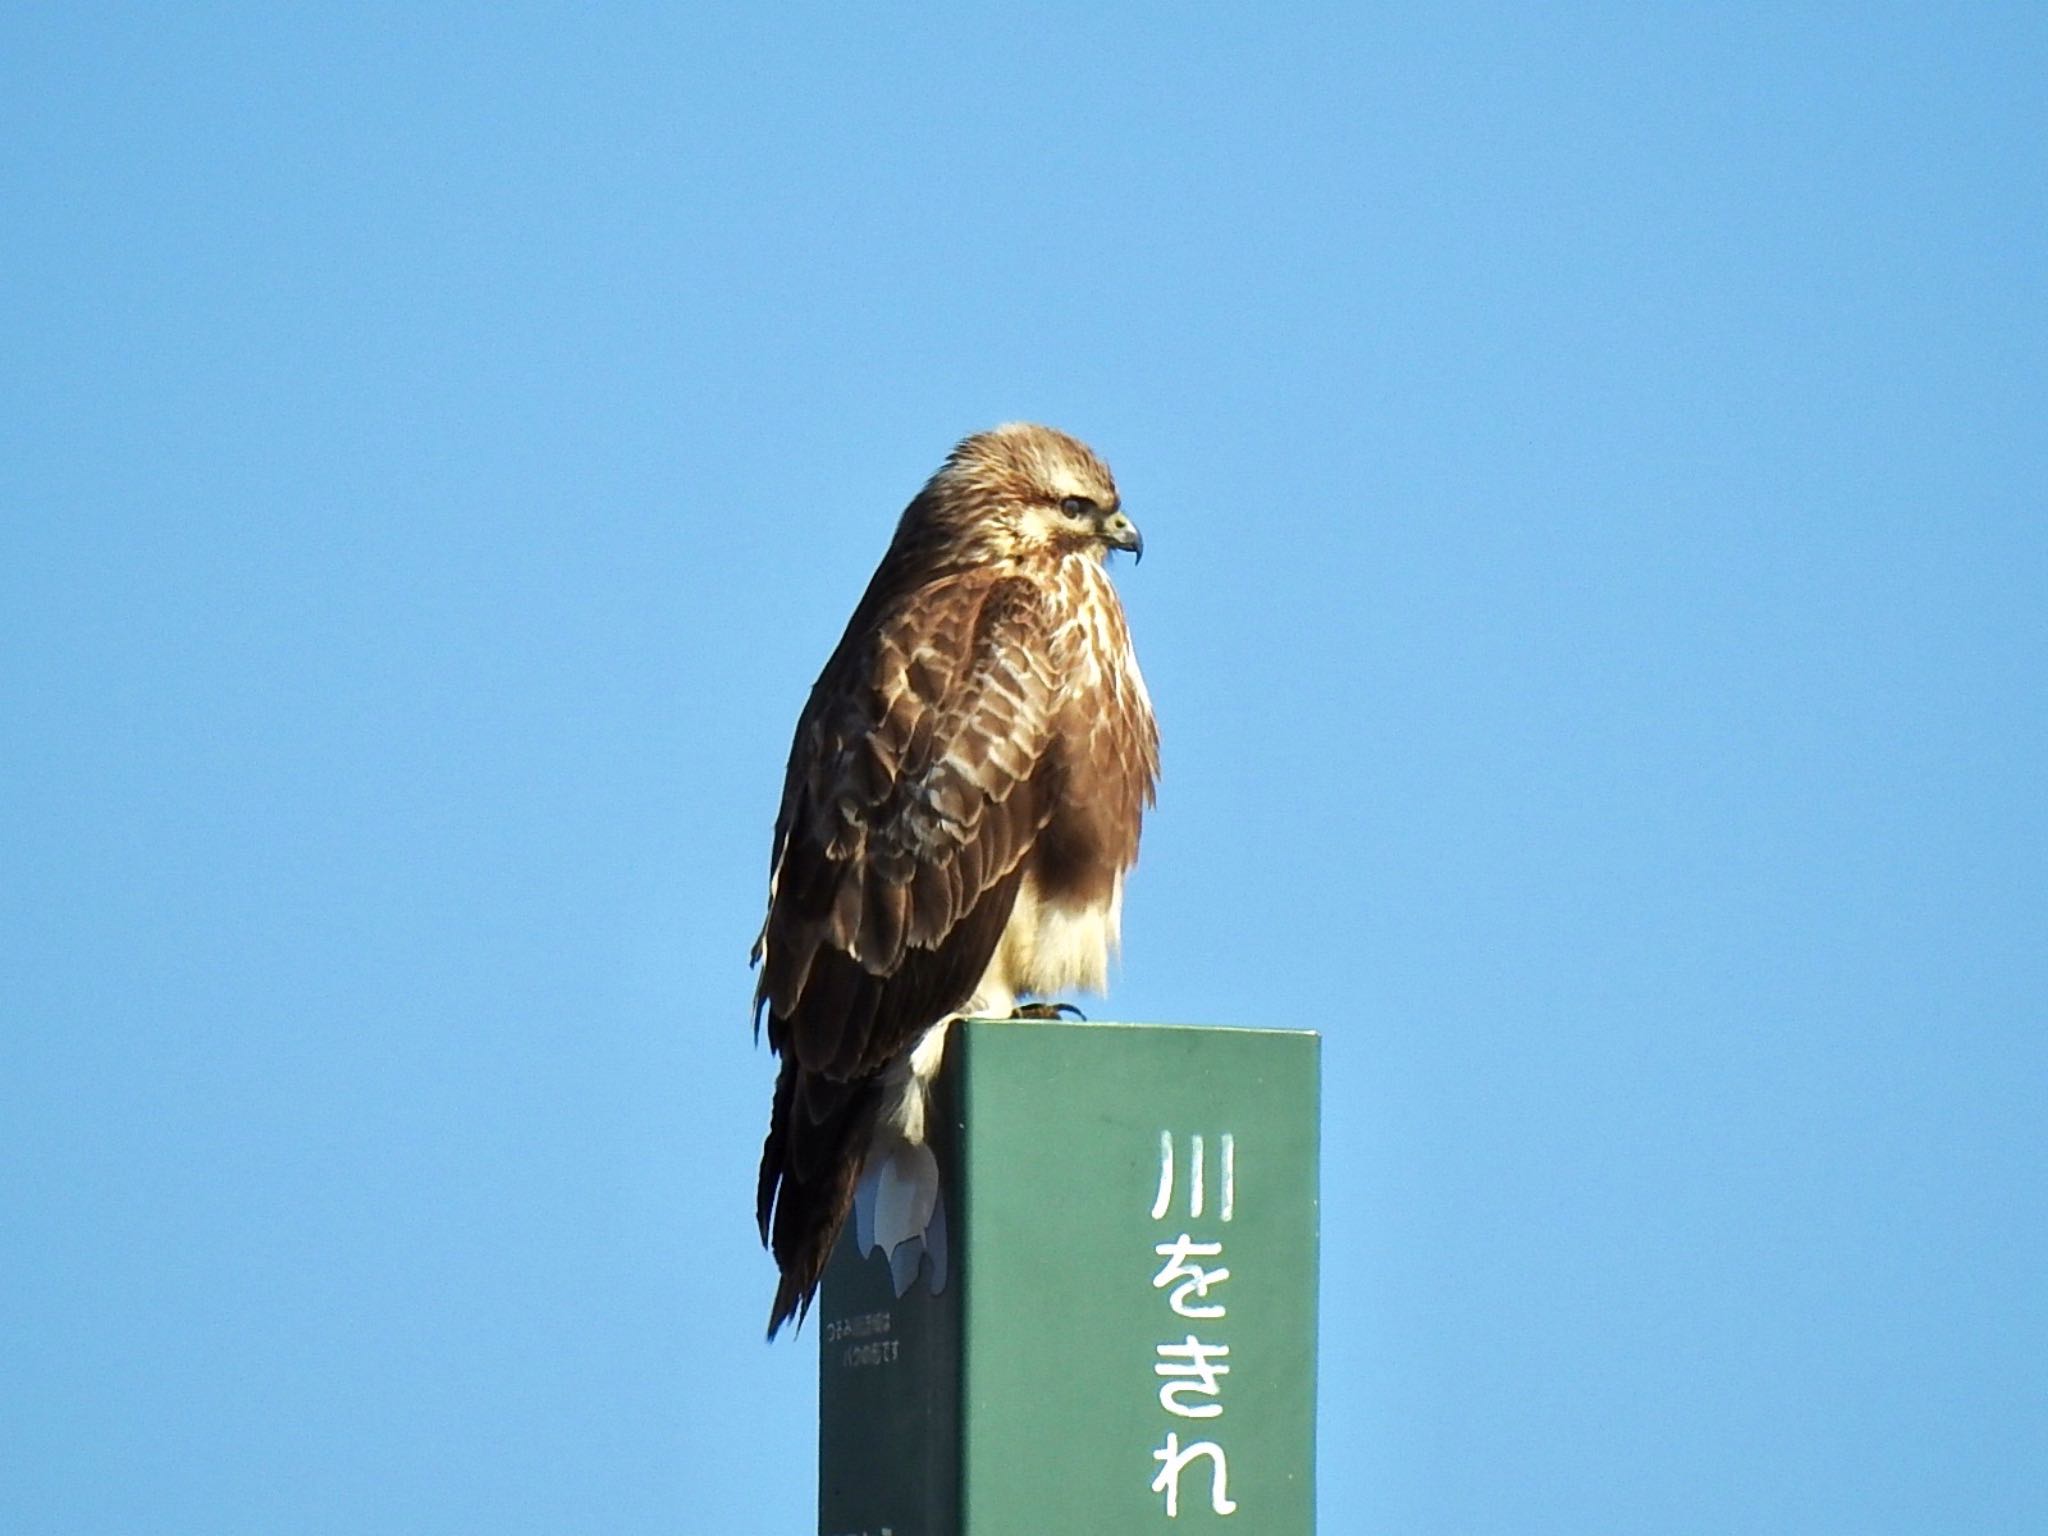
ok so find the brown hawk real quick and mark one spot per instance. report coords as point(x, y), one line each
point(962, 802)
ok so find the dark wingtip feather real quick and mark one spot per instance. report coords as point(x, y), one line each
point(809, 1166)
point(789, 1303)
point(774, 1148)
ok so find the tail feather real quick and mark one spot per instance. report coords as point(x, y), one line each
point(817, 1144)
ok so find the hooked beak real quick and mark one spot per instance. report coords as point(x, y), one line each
point(1119, 532)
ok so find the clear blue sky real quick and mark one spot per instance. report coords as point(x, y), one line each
point(1592, 461)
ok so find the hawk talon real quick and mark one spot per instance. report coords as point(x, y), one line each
point(1061, 1011)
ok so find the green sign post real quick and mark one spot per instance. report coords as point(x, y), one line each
point(1109, 1326)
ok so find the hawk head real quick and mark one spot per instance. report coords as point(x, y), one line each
point(1019, 492)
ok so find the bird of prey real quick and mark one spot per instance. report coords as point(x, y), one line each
point(961, 805)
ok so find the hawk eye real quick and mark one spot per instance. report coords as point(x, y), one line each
point(1078, 506)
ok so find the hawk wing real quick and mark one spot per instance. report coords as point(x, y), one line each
point(919, 777)
point(911, 798)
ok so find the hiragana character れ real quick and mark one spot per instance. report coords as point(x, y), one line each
point(1173, 1458)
